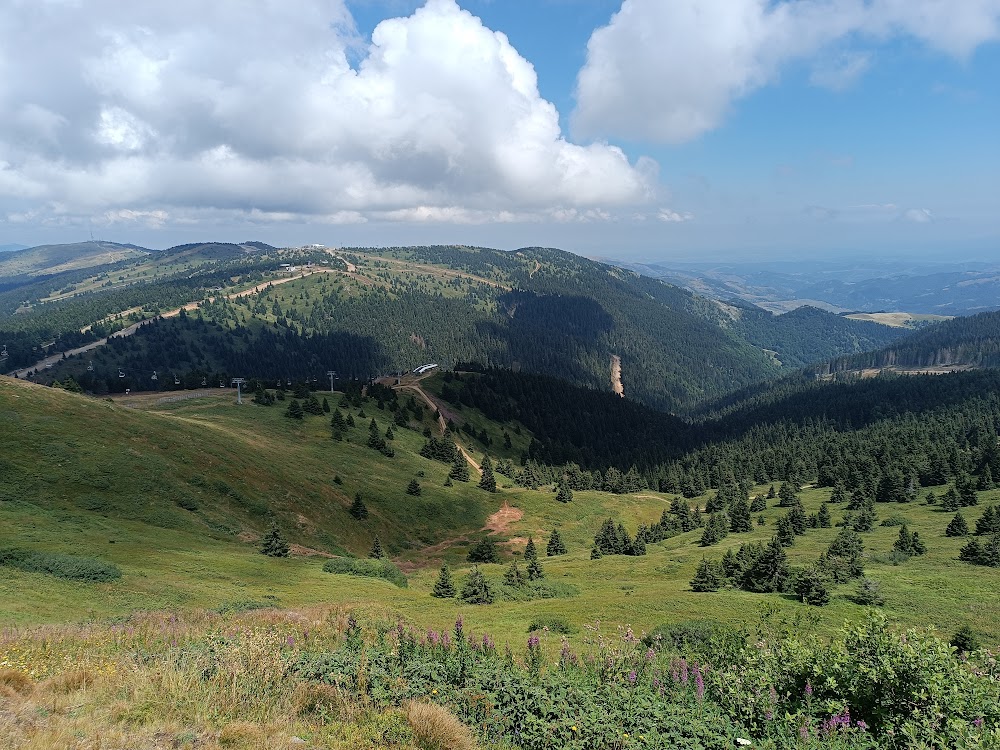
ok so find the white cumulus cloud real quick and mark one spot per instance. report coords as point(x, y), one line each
point(669, 70)
point(160, 112)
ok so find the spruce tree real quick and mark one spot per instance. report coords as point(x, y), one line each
point(294, 410)
point(707, 577)
point(358, 508)
point(444, 587)
point(476, 589)
point(273, 544)
point(823, 519)
point(413, 488)
point(555, 545)
point(485, 551)
point(376, 552)
point(788, 495)
point(797, 516)
point(740, 521)
point(812, 588)
point(957, 526)
point(487, 481)
point(988, 523)
point(769, 572)
point(459, 467)
point(326, 406)
point(530, 551)
point(514, 576)
point(759, 504)
point(595, 553)
point(565, 494)
point(535, 572)
point(785, 531)
point(448, 482)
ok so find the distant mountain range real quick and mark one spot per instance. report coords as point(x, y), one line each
point(11, 248)
point(916, 287)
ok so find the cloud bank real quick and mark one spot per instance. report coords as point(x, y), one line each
point(669, 70)
point(132, 112)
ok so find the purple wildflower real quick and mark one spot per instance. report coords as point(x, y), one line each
point(487, 641)
point(699, 685)
point(290, 641)
point(533, 641)
point(458, 626)
point(632, 676)
point(650, 655)
point(809, 689)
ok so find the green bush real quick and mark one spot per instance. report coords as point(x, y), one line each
point(552, 624)
point(368, 568)
point(71, 567)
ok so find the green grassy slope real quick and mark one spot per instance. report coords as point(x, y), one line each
point(90, 477)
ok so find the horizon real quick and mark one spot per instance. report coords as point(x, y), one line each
point(630, 129)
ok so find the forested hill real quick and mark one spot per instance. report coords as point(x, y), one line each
point(807, 334)
point(972, 341)
point(534, 310)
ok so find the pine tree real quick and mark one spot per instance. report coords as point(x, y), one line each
point(958, 526)
point(389, 434)
point(740, 521)
point(785, 531)
point(707, 577)
point(358, 508)
point(459, 467)
point(444, 587)
point(376, 552)
point(294, 410)
point(565, 494)
point(812, 588)
point(555, 545)
point(535, 572)
point(513, 576)
point(326, 406)
point(273, 543)
point(823, 519)
point(530, 551)
point(797, 516)
point(769, 572)
point(413, 488)
point(839, 494)
point(788, 495)
point(476, 589)
point(448, 482)
point(988, 522)
point(487, 481)
point(759, 504)
point(595, 553)
point(771, 494)
point(485, 551)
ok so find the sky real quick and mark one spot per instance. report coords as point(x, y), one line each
point(627, 129)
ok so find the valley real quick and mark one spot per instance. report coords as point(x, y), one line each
point(124, 496)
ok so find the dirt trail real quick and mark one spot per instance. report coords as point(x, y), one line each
point(443, 413)
point(616, 375)
point(536, 269)
point(498, 523)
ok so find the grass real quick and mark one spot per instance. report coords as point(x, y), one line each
point(93, 478)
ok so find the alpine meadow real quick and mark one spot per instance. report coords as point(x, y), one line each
point(458, 375)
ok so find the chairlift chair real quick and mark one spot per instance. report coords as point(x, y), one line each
point(153, 377)
point(177, 380)
point(3, 352)
point(90, 367)
point(121, 373)
point(204, 381)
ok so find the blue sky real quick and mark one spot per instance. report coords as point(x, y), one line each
point(654, 129)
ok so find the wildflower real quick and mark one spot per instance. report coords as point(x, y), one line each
point(699, 684)
point(290, 641)
point(458, 625)
point(573, 728)
point(434, 691)
point(625, 735)
point(809, 689)
point(533, 641)
point(632, 677)
point(977, 723)
point(743, 741)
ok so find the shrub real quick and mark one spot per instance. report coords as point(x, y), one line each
point(485, 551)
point(965, 640)
point(552, 624)
point(436, 728)
point(384, 569)
point(71, 567)
point(869, 593)
point(894, 520)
